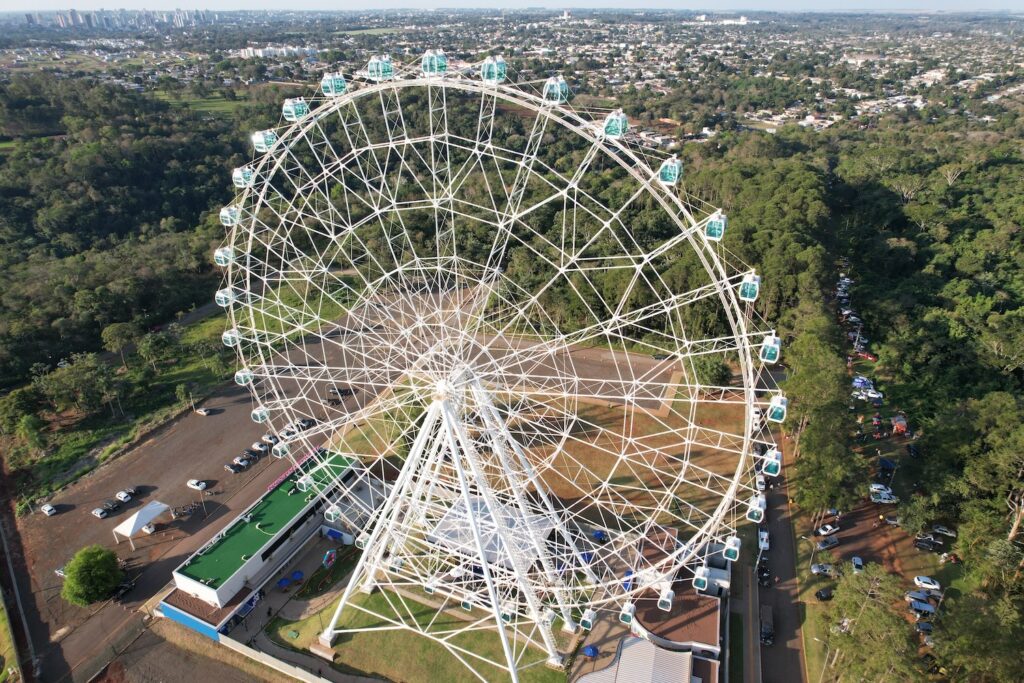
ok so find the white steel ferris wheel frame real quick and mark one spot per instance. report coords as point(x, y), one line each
point(442, 434)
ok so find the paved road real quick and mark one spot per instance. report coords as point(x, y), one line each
point(783, 661)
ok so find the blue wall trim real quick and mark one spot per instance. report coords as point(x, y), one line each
point(189, 621)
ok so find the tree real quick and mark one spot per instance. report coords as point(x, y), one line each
point(30, 431)
point(16, 405)
point(91, 575)
point(119, 336)
point(154, 346)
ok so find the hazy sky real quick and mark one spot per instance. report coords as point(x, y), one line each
point(720, 5)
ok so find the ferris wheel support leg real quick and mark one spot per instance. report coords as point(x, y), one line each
point(493, 422)
point(377, 545)
point(457, 438)
point(531, 474)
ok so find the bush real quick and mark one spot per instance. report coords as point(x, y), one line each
point(90, 576)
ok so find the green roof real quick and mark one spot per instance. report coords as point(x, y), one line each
point(216, 563)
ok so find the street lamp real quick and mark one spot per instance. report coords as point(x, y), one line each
point(825, 665)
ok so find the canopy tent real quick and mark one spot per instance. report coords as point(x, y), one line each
point(133, 525)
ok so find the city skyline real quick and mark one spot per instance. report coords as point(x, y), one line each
point(728, 6)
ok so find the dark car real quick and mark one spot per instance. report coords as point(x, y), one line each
point(660, 356)
point(828, 542)
point(110, 505)
point(306, 423)
point(824, 594)
point(924, 544)
point(924, 627)
point(251, 454)
point(123, 589)
point(233, 468)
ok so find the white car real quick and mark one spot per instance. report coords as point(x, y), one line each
point(99, 513)
point(858, 564)
point(944, 530)
point(873, 393)
point(269, 439)
point(822, 569)
point(884, 498)
point(762, 540)
point(197, 484)
point(759, 481)
point(123, 496)
point(202, 411)
point(260, 447)
point(927, 583)
point(826, 530)
point(881, 488)
point(48, 510)
point(149, 528)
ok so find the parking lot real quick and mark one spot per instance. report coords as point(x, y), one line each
point(193, 447)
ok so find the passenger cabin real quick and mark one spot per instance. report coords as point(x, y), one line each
point(380, 68)
point(556, 90)
point(294, 109)
point(493, 70)
point(434, 63)
point(333, 84)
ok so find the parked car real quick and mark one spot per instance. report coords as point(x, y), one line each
point(760, 482)
point(944, 530)
point(260, 447)
point(913, 451)
point(242, 461)
point(111, 505)
point(867, 356)
point(306, 423)
point(233, 468)
point(927, 545)
point(858, 564)
point(828, 542)
point(763, 540)
point(99, 512)
point(202, 411)
point(822, 569)
point(927, 582)
point(826, 530)
point(922, 610)
point(880, 488)
point(925, 627)
point(660, 356)
point(269, 439)
point(823, 594)
point(884, 498)
point(916, 596)
point(197, 484)
point(48, 510)
point(59, 571)
point(923, 536)
point(892, 520)
point(123, 496)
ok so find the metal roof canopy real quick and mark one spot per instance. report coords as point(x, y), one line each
point(141, 518)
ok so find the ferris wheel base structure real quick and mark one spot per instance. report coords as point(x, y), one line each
point(527, 337)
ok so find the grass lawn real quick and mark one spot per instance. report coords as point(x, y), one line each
point(735, 648)
point(213, 104)
point(404, 655)
point(8, 655)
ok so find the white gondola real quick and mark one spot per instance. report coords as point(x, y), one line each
point(627, 613)
point(263, 140)
point(333, 84)
point(731, 551)
point(225, 297)
point(332, 514)
point(756, 507)
point(467, 604)
point(615, 125)
point(749, 287)
point(493, 71)
point(231, 338)
point(434, 63)
point(588, 619)
point(224, 256)
point(508, 612)
point(281, 449)
point(243, 377)
point(714, 228)
point(665, 600)
point(555, 91)
point(380, 68)
point(771, 349)
point(361, 541)
point(777, 409)
point(242, 176)
point(700, 578)
point(772, 463)
point(295, 109)
point(230, 215)
point(304, 483)
point(259, 414)
point(670, 172)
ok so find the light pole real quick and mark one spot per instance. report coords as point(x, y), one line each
point(821, 677)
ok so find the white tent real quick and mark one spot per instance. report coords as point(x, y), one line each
point(133, 525)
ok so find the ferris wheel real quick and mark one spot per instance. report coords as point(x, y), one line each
point(535, 375)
